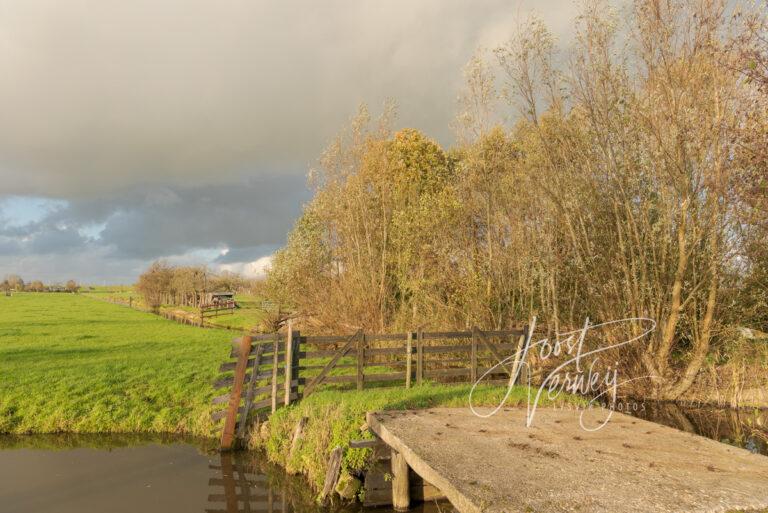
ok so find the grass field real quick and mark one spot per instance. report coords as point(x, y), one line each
point(71, 363)
point(247, 316)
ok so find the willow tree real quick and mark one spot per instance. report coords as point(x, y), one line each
point(640, 172)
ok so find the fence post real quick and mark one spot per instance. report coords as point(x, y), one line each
point(473, 357)
point(288, 362)
point(244, 351)
point(419, 356)
point(360, 359)
point(275, 351)
point(408, 359)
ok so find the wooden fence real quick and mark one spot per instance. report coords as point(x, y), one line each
point(273, 370)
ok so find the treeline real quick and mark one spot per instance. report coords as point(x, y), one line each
point(633, 184)
point(14, 282)
point(164, 284)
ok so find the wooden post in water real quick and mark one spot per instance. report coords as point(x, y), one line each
point(419, 356)
point(473, 357)
point(288, 362)
point(401, 497)
point(408, 359)
point(230, 421)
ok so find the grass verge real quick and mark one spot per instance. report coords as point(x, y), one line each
point(334, 419)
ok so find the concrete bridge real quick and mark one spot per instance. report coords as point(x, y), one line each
point(497, 464)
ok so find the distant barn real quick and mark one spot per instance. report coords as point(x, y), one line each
point(216, 298)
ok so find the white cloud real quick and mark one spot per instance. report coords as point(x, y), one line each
point(255, 269)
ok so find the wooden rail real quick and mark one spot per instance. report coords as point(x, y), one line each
point(276, 369)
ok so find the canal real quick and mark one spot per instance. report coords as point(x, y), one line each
point(148, 474)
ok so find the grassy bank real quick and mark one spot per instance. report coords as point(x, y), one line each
point(334, 419)
point(69, 363)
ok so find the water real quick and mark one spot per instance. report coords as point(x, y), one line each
point(143, 474)
point(137, 474)
point(746, 428)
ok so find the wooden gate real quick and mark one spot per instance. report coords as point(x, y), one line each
point(262, 379)
point(274, 370)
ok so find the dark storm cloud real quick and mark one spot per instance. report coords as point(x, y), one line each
point(103, 95)
point(246, 219)
point(177, 125)
point(172, 221)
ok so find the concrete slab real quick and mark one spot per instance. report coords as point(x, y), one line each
point(497, 464)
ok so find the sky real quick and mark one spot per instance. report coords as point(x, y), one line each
point(184, 129)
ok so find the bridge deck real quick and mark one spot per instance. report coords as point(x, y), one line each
point(496, 464)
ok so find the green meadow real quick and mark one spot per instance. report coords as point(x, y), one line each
point(69, 363)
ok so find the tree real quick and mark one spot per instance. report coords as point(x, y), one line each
point(15, 282)
point(633, 184)
point(154, 284)
point(72, 286)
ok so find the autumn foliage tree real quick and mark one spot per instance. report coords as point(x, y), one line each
point(632, 184)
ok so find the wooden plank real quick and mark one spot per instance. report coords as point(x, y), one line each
point(221, 399)
point(338, 366)
point(298, 434)
point(408, 359)
point(467, 348)
point(363, 444)
point(230, 366)
point(507, 333)
point(228, 434)
point(250, 394)
point(419, 356)
point(360, 360)
point(394, 376)
point(494, 352)
point(374, 337)
point(322, 354)
point(319, 378)
point(473, 357)
point(230, 381)
point(289, 360)
point(518, 356)
point(446, 335)
point(437, 373)
point(383, 350)
point(332, 473)
point(275, 349)
point(401, 496)
point(325, 339)
point(221, 414)
point(371, 378)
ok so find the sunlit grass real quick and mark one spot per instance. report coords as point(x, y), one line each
point(335, 416)
point(71, 363)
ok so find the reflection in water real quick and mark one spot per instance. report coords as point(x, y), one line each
point(244, 483)
point(743, 428)
point(240, 487)
point(148, 474)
